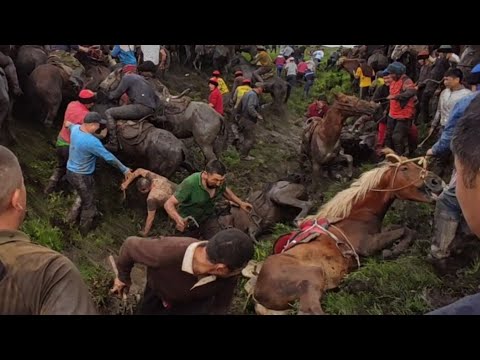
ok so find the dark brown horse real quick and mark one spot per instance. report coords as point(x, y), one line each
point(281, 201)
point(321, 140)
point(305, 271)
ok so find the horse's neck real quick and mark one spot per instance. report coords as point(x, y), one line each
point(334, 120)
point(372, 208)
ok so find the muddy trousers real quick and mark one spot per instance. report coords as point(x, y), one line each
point(397, 134)
point(60, 170)
point(448, 215)
point(247, 128)
point(208, 229)
point(126, 112)
point(84, 205)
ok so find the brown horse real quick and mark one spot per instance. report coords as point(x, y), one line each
point(305, 271)
point(321, 140)
point(349, 65)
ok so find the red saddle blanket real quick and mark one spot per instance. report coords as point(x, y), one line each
point(308, 231)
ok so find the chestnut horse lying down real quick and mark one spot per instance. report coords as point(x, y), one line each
point(330, 243)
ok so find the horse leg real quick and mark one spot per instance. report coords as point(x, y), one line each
point(283, 280)
point(208, 152)
point(316, 174)
point(349, 159)
point(380, 241)
point(401, 246)
point(284, 197)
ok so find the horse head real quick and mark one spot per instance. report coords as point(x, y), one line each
point(409, 179)
point(352, 106)
point(111, 81)
point(398, 51)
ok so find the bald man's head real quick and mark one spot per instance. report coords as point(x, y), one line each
point(11, 178)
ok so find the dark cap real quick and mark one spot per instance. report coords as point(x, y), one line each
point(94, 117)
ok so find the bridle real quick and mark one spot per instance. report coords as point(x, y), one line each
point(423, 173)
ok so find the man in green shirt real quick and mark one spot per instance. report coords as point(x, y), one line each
point(196, 197)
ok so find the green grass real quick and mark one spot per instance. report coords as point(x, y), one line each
point(41, 232)
point(398, 287)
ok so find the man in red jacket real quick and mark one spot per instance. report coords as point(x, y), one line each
point(402, 107)
point(215, 99)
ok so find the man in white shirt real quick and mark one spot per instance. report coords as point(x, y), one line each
point(151, 53)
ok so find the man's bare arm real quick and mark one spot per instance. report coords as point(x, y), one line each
point(135, 174)
point(171, 209)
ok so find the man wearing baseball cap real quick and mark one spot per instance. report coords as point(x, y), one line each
point(75, 114)
point(85, 148)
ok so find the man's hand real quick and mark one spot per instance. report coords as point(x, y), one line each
point(119, 287)
point(246, 206)
point(128, 174)
point(429, 152)
point(181, 224)
point(391, 97)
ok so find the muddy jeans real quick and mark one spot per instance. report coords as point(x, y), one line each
point(60, 169)
point(84, 185)
point(247, 129)
point(397, 134)
point(125, 112)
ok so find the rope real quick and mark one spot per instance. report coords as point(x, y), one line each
point(422, 161)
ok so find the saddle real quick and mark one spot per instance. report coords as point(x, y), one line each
point(308, 130)
point(57, 61)
point(133, 132)
point(268, 75)
point(308, 231)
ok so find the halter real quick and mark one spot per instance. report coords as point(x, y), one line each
point(422, 161)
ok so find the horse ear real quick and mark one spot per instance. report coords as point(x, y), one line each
point(391, 156)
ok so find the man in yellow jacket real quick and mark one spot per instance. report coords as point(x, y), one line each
point(222, 87)
point(264, 61)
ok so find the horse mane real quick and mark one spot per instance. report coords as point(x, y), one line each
point(341, 205)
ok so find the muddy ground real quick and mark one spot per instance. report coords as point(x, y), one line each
point(406, 285)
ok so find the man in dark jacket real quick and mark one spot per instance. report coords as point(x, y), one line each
point(186, 276)
point(143, 102)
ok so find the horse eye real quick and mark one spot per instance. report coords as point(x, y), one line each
point(404, 168)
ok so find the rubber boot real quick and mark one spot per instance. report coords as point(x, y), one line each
point(444, 234)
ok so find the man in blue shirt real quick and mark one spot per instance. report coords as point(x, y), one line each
point(448, 213)
point(85, 148)
point(466, 150)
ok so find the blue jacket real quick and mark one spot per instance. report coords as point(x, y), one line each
point(442, 146)
point(125, 57)
point(84, 150)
